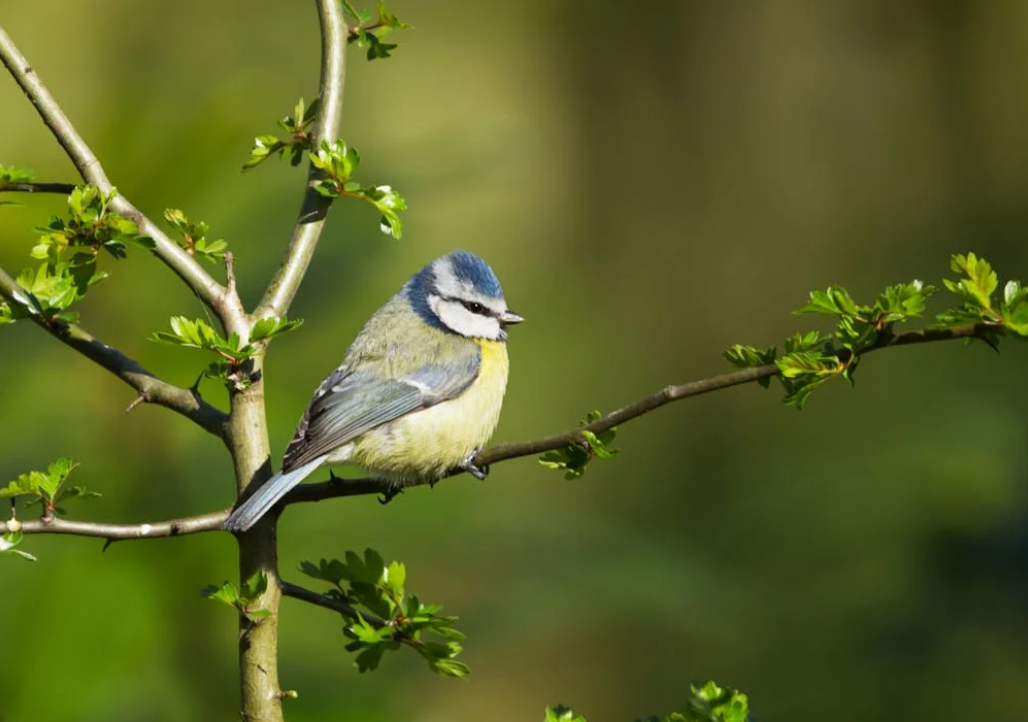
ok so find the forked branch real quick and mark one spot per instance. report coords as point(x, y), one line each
point(188, 268)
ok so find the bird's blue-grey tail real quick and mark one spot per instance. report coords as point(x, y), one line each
point(247, 513)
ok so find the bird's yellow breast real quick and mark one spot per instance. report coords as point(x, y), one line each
point(428, 443)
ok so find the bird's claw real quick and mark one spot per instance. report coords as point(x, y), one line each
point(390, 494)
point(479, 472)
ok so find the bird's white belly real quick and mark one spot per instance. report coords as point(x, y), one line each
point(426, 444)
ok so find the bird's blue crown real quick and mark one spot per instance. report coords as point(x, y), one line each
point(469, 268)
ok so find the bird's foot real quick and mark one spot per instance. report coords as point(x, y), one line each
point(468, 465)
point(390, 494)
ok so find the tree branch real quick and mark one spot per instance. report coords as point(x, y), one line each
point(320, 600)
point(314, 208)
point(188, 268)
point(186, 402)
point(62, 188)
point(336, 487)
point(115, 532)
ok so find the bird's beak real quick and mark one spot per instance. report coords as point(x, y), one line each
point(509, 318)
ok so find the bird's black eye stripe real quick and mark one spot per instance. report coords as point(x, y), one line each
point(473, 306)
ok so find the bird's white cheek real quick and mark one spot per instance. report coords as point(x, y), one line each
point(466, 323)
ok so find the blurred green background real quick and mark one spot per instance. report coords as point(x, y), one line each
point(651, 184)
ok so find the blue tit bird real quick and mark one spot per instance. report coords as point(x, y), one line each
point(418, 393)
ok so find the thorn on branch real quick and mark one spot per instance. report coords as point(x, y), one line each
point(136, 401)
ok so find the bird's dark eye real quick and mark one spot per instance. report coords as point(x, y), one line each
point(474, 307)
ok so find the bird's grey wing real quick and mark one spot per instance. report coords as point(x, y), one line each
point(349, 403)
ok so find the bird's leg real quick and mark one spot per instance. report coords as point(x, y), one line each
point(468, 465)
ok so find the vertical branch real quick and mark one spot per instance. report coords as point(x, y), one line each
point(248, 429)
point(258, 643)
point(283, 287)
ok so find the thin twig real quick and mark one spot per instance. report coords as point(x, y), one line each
point(336, 487)
point(119, 532)
point(188, 268)
point(314, 208)
point(320, 600)
point(186, 402)
point(62, 188)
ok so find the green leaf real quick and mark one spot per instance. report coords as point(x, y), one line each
point(254, 587)
point(835, 301)
point(574, 458)
point(599, 446)
point(369, 658)
point(450, 668)
point(268, 328)
point(11, 174)
point(9, 541)
point(387, 202)
point(198, 334)
point(226, 593)
point(980, 282)
point(904, 300)
point(194, 237)
point(297, 142)
point(361, 16)
point(376, 588)
point(336, 159)
point(749, 356)
point(393, 577)
point(369, 570)
point(560, 713)
point(389, 20)
point(718, 704)
point(332, 571)
point(46, 486)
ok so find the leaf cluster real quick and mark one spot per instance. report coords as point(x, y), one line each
point(242, 600)
point(370, 36)
point(336, 160)
point(976, 289)
point(69, 248)
point(810, 359)
point(296, 142)
point(232, 351)
point(194, 237)
point(339, 161)
point(11, 174)
point(574, 458)
point(707, 703)
point(386, 617)
point(48, 487)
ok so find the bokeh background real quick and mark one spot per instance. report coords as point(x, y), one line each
point(652, 184)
